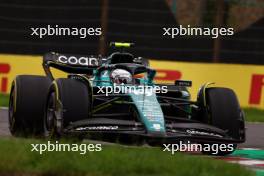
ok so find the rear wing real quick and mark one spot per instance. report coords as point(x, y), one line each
point(70, 63)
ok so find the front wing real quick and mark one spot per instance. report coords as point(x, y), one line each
point(175, 132)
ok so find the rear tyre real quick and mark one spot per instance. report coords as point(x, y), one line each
point(26, 105)
point(68, 101)
point(223, 111)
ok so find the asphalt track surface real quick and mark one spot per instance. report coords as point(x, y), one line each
point(254, 132)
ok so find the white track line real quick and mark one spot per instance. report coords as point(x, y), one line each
point(248, 162)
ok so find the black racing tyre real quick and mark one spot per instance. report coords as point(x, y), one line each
point(26, 105)
point(223, 111)
point(68, 101)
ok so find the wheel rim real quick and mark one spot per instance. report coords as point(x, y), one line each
point(49, 119)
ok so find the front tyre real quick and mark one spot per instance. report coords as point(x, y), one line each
point(68, 101)
point(223, 111)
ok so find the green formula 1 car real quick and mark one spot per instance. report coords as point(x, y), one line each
point(115, 98)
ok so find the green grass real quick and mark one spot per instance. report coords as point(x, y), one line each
point(4, 100)
point(17, 159)
point(252, 114)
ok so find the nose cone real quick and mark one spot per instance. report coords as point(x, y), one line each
point(150, 112)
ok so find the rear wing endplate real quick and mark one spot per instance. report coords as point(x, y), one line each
point(70, 63)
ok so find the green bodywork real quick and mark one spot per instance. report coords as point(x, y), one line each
point(146, 103)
